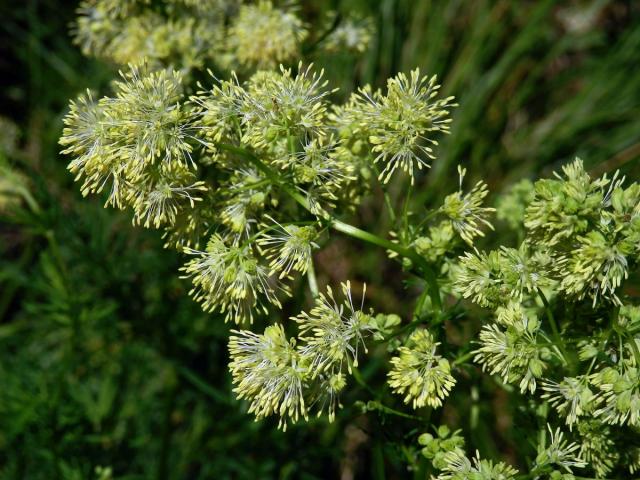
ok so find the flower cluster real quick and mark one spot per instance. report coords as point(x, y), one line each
point(246, 177)
point(182, 33)
point(581, 241)
point(460, 467)
point(138, 145)
point(230, 280)
point(455, 224)
point(560, 457)
point(352, 35)
point(264, 36)
point(465, 210)
point(400, 124)
point(287, 378)
point(513, 347)
point(189, 34)
point(419, 374)
point(494, 279)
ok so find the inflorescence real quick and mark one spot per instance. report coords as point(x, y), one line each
point(247, 176)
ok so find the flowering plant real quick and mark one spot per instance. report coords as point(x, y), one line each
point(248, 176)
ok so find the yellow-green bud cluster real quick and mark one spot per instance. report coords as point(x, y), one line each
point(230, 280)
point(264, 36)
point(419, 374)
point(184, 34)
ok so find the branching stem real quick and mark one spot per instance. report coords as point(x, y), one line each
point(418, 261)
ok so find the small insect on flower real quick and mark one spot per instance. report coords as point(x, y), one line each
point(288, 247)
point(333, 332)
point(283, 106)
point(418, 373)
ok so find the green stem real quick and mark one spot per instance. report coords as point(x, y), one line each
point(313, 281)
point(554, 325)
point(391, 411)
point(636, 351)
point(361, 381)
point(463, 358)
point(202, 384)
point(405, 208)
point(420, 263)
point(387, 198)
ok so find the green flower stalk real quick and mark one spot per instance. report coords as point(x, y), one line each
point(418, 373)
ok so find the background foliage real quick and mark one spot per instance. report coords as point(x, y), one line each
point(108, 368)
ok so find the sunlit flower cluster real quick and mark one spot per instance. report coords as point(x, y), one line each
point(400, 125)
point(288, 378)
point(136, 145)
